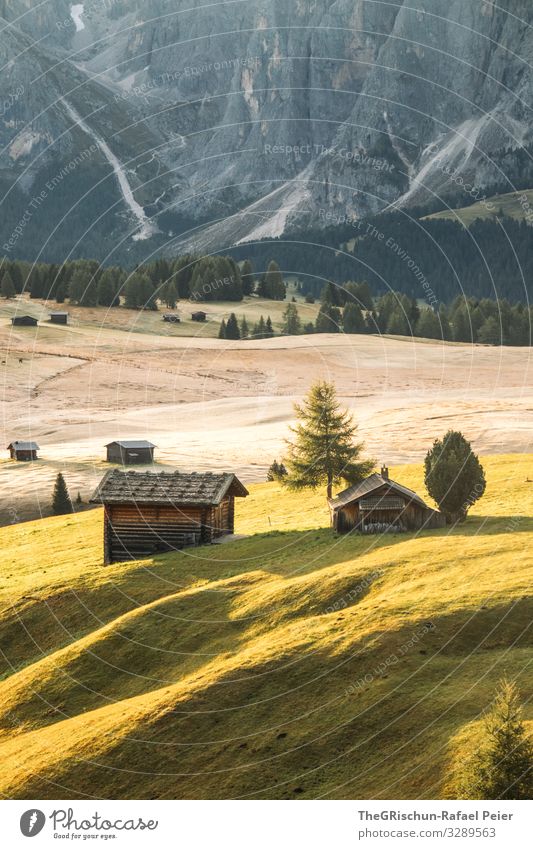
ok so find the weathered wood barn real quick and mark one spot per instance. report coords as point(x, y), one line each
point(147, 513)
point(199, 315)
point(23, 451)
point(379, 504)
point(24, 321)
point(59, 317)
point(130, 452)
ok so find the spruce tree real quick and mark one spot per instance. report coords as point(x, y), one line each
point(106, 290)
point(502, 767)
point(352, 319)
point(454, 477)
point(292, 325)
point(222, 330)
point(247, 275)
point(61, 502)
point(428, 325)
point(324, 450)
point(245, 330)
point(329, 319)
point(8, 287)
point(272, 285)
point(490, 332)
point(269, 330)
point(259, 329)
point(232, 327)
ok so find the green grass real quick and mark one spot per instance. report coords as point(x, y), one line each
point(291, 663)
point(510, 203)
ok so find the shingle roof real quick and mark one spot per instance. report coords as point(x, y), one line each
point(370, 484)
point(199, 488)
point(23, 446)
point(132, 443)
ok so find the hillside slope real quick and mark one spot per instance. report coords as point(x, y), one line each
point(287, 664)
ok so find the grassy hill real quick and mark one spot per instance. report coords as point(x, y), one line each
point(510, 203)
point(291, 663)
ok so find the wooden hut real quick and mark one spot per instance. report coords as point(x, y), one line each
point(199, 315)
point(379, 505)
point(130, 452)
point(59, 317)
point(24, 321)
point(23, 451)
point(147, 513)
point(171, 317)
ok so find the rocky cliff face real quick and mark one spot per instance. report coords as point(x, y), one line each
point(251, 119)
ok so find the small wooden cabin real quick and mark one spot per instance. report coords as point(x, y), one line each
point(171, 317)
point(24, 321)
point(380, 505)
point(130, 452)
point(59, 317)
point(199, 315)
point(147, 513)
point(23, 451)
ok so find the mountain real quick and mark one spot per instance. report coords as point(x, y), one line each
point(240, 121)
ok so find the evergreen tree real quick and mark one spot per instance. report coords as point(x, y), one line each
point(276, 472)
point(245, 331)
point(461, 326)
point(247, 275)
point(272, 285)
point(360, 294)
point(490, 332)
point(222, 330)
point(106, 289)
point(332, 294)
point(81, 283)
point(398, 323)
point(34, 283)
point(446, 330)
point(428, 325)
point(502, 766)
point(169, 294)
point(61, 502)
point(259, 329)
point(352, 319)
point(328, 319)
point(324, 450)
point(232, 327)
point(269, 330)
point(291, 321)
point(454, 476)
point(8, 287)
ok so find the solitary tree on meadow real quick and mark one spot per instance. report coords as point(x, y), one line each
point(324, 450)
point(454, 476)
point(61, 502)
point(502, 767)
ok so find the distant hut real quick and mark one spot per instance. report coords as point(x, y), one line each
point(199, 315)
point(24, 321)
point(146, 513)
point(23, 451)
point(171, 317)
point(130, 452)
point(379, 504)
point(59, 317)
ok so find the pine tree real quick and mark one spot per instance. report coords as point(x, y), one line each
point(454, 476)
point(61, 502)
point(106, 290)
point(398, 323)
point(352, 319)
point(222, 330)
point(329, 319)
point(276, 472)
point(8, 287)
point(247, 275)
point(272, 285)
point(232, 327)
point(490, 332)
point(245, 331)
point(259, 329)
point(428, 325)
point(332, 294)
point(324, 450)
point(292, 325)
point(502, 767)
point(269, 330)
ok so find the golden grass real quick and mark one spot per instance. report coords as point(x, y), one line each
point(290, 663)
